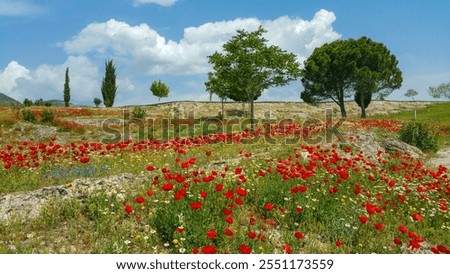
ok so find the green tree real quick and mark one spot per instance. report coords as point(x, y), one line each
point(67, 89)
point(248, 66)
point(159, 89)
point(376, 70)
point(109, 87)
point(443, 90)
point(341, 68)
point(214, 85)
point(97, 102)
point(366, 101)
point(27, 102)
point(411, 93)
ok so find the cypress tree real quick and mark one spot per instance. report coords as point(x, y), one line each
point(109, 88)
point(67, 89)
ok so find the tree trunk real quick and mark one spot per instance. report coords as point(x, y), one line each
point(252, 116)
point(363, 106)
point(342, 107)
point(223, 109)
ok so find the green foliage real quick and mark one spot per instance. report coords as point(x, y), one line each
point(248, 66)
point(138, 113)
point(411, 93)
point(97, 102)
point(47, 116)
point(27, 102)
point(109, 87)
point(67, 89)
point(48, 104)
point(339, 69)
point(419, 135)
point(443, 90)
point(39, 102)
point(28, 115)
point(159, 89)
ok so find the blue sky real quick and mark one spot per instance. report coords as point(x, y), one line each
point(171, 39)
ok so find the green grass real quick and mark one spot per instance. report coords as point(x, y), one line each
point(437, 114)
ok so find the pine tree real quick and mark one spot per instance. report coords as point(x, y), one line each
point(109, 88)
point(67, 89)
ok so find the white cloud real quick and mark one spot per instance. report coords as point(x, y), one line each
point(19, 8)
point(140, 51)
point(152, 53)
point(165, 3)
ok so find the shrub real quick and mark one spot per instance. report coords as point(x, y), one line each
point(138, 113)
point(27, 102)
point(28, 115)
point(419, 135)
point(47, 116)
point(97, 102)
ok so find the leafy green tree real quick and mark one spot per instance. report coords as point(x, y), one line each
point(27, 102)
point(248, 66)
point(159, 89)
point(411, 93)
point(109, 87)
point(214, 85)
point(366, 101)
point(97, 102)
point(39, 102)
point(67, 89)
point(341, 68)
point(376, 70)
point(443, 90)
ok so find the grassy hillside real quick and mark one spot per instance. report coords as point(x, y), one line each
point(435, 114)
point(7, 101)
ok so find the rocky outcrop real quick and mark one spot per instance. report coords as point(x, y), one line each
point(370, 144)
point(23, 206)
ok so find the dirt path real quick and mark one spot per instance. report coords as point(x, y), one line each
point(442, 158)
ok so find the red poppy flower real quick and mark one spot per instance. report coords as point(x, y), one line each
point(167, 187)
point(417, 217)
point(228, 232)
point(397, 241)
point(150, 168)
point(241, 192)
point(402, 229)
point(211, 234)
point(333, 189)
point(287, 249)
point(209, 249)
point(140, 200)
point(363, 219)
point(203, 194)
point(149, 192)
point(251, 235)
point(229, 220)
point(219, 187)
point(238, 170)
point(208, 153)
point(302, 188)
point(299, 209)
point(179, 229)
point(339, 243)
point(414, 245)
point(227, 211)
point(299, 235)
point(252, 220)
point(378, 226)
point(84, 160)
point(239, 201)
point(128, 209)
point(269, 206)
point(229, 194)
point(245, 249)
point(196, 205)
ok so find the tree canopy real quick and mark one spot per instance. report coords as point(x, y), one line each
point(248, 66)
point(109, 87)
point(159, 89)
point(341, 68)
point(411, 93)
point(443, 90)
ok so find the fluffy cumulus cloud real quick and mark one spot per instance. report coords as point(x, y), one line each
point(47, 81)
point(165, 3)
point(152, 53)
point(19, 8)
point(142, 54)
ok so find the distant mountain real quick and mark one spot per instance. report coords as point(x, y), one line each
point(56, 103)
point(5, 100)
